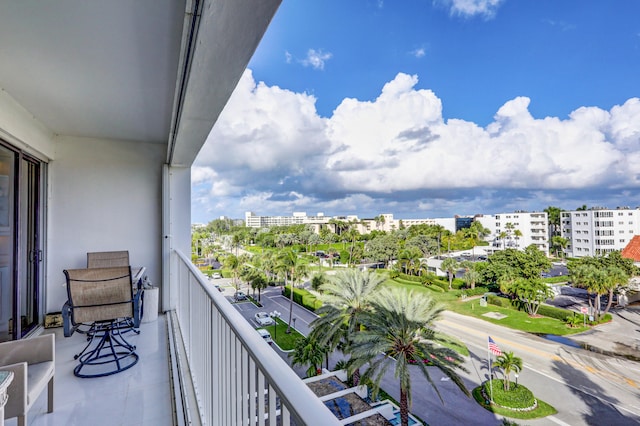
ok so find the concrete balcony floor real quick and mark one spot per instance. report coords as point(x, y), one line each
point(138, 396)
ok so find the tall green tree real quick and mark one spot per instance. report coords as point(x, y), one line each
point(451, 266)
point(531, 292)
point(308, 351)
point(398, 332)
point(553, 214)
point(291, 265)
point(232, 262)
point(508, 362)
point(345, 298)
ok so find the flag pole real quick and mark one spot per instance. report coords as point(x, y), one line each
point(490, 373)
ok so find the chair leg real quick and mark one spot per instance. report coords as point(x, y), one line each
point(50, 396)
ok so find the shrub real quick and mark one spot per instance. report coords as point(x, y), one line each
point(475, 291)
point(303, 298)
point(412, 278)
point(517, 397)
point(503, 302)
point(553, 312)
point(457, 284)
point(444, 286)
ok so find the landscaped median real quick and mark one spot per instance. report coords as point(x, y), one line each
point(518, 402)
point(285, 341)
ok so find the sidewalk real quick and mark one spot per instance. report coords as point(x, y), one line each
point(620, 337)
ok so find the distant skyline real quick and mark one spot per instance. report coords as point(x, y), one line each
point(430, 108)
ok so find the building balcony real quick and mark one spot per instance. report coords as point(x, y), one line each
point(201, 363)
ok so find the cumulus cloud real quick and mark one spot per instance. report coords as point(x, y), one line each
point(271, 152)
point(470, 8)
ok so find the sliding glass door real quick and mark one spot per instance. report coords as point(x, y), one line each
point(20, 243)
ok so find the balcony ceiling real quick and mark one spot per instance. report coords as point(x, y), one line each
point(112, 69)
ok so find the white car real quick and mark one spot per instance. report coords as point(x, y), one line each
point(265, 335)
point(263, 319)
point(216, 275)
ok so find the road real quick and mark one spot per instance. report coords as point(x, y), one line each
point(585, 387)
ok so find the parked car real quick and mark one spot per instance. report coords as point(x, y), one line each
point(263, 319)
point(216, 275)
point(265, 335)
point(239, 296)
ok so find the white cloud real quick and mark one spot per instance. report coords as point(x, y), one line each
point(271, 152)
point(470, 8)
point(316, 59)
point(288, 57)
point(419, 52)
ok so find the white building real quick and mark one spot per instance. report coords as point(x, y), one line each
point(598, 231)
point(299, 218)
point(517, 230)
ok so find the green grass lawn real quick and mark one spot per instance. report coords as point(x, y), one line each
point(286, 341)
point(518, 320)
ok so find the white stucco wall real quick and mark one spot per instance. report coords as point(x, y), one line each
point(103, 195)
point(20, 128)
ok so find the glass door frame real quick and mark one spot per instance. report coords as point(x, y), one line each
point(23, 261)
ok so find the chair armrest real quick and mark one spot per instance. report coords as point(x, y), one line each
point(31, 351)
point(136, 308)
point(17, 390)
point(67, 320)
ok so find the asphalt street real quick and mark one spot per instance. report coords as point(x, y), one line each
point(587, 388)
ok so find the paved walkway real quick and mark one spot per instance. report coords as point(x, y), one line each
point(619, 337)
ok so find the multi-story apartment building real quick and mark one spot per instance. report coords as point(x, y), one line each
point(384, 222)
point(517, 230)
point(598, 231)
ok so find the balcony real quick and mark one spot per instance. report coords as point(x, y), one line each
point(199, 364)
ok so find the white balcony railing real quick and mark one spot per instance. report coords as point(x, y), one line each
point(238, 379)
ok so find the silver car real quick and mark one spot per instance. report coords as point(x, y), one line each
point(263, 319)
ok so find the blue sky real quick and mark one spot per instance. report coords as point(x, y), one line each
point(427, 108)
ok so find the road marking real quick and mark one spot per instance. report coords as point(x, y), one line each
point(557, 421)
point(555, 357)
point(286, 307)
point(530, 349)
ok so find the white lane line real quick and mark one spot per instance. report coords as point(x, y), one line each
point(286, 307)
point(557, 421)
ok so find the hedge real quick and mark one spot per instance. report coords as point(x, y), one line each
point(544, 310)
point(474, 291)
point(303, 298)
point(554, 312)
point(503, 302)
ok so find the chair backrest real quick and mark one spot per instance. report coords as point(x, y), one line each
point(107, 259)
point(100, 294)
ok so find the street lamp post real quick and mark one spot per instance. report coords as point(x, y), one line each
point(294, 323)
point(516, 379)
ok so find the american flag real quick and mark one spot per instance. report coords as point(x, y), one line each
point(493, 347)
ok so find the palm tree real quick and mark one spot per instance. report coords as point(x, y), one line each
point(232, 262)
point(289, 263)
point(345, 297)
point(308, 351)
point(508, 362)
point(451, 266)
point(518, 234)
point(400, 327)
point(592, 279)
point(615, 277)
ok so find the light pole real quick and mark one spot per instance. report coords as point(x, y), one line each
point(294, 322)
point(516, 379)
